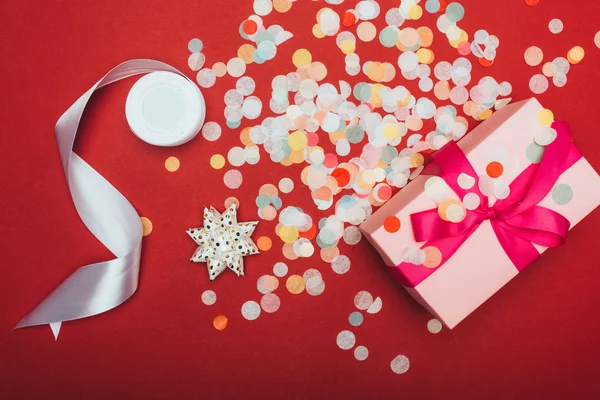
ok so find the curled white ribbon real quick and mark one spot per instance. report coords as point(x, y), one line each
point(96, 288)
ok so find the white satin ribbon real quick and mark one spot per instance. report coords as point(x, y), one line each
point(96, 288)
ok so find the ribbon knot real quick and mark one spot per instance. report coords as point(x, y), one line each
point(517, 221)
point(490, 213)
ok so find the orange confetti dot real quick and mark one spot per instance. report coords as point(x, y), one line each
point(494, 169)
point(391, 224)
point(309, 234)
point(230, 200)
point(532, 2)
point(146, 226)
point(264, 243)
point(433, 257)
point(220, 322)
point(249, 27)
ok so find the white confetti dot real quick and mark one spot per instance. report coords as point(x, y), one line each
point(211, 131)
point(340, 264)
point(434, 326)
point(352, 235)
point(270, 302)
point(250, 310)
point(209, 297)
point(280, 269)
point(376, 306)
point(361, 353)
point(556, 26)
point(345, 340)
point(400, 364)
point(286, 185)
point(363, 300)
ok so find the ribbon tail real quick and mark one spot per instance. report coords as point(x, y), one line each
point(55, 326)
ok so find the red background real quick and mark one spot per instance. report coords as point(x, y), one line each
point(536, 338)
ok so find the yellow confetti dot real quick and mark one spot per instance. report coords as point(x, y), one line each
point(575, 55)
point(415, 12)
point(301, 57)
point(425, 56)
point(288, 234)
point(282, 6)
point(217, 161)
point(146, 226)
point(348, 46)
point(172, 164)
point(295, 284)
point(485, 115)
point(391, 131)
point(297, 141)
point(220, 322)
point(317, 32)
point(546, 117)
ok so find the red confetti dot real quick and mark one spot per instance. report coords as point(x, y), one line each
point(384, 193)
point(443, 5)
point(494, 169)
point(331, 160)
point(485, 62)
point(532, 2)
point(391, 224)
point(249, 27)
point(312, 139)
point(348, 19)
point(309, 234)
point(342, 176)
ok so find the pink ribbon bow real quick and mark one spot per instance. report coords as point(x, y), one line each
point(517, 221)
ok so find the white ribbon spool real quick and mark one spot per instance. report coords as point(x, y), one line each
point(165, 109)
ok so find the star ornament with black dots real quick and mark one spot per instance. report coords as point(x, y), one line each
point(223, 242)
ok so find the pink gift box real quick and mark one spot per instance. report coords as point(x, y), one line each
point(480, 266)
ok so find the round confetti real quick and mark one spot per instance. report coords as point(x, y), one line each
point(352, 235)
point(434, 326)
point(494, 169)
point(231, 200)
point(538, 84)
point(196, 61)
point(217, 161)
point(233, 179)
point(301, 57)
point(209, 297)
point(220, 322)
point(172, 164)
point(533, 56)
point(286, 185)
point(236, 67)
point(250, 310)
point(146, 226)
point(270, 302)
point(575, 55)
point(345, 340)
point(363, 300)
point(433, 257)
point(597, 39)
point(555, 25)
point(391, 224)
point(219, 69)
point(355, 318)
point(295, 284)
point(195, 45)
point(534, 152)
point(267, 284)
point(211, 131)
point(315, 285)
point(206, 78)
point(280, 269)
point(562, 194)
point(361, 353)
point(264, 243)
point(400, 364)
point(366, 31)
point(532, 2)
point(546, 117)
point(340, 264)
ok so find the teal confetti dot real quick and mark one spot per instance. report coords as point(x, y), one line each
point(355, 134)
point(388, 36)
point(264, 36)
point(388, 154)
point(277, 203)
point(262, 201)
point(432, 6)
point(362, 91)
point(347, 201)
point(195, 45)
point(534, 152)
point(455, 12)
point(562, 194)
point(233, 124)
point(355, 318)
